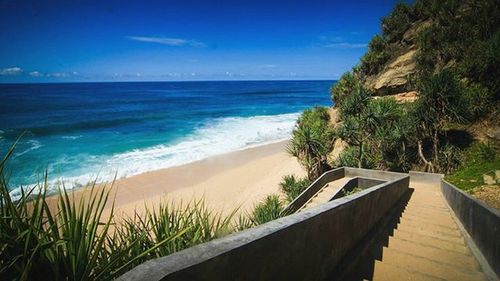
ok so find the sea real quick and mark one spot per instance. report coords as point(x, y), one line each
point(79, 132)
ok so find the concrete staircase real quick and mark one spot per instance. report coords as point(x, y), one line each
point(427, 244)
point(325, 193)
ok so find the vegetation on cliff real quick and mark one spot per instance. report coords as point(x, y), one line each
point(456, 51)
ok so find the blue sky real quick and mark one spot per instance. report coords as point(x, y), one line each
point(64, 41)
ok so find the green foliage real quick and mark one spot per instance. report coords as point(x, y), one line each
point(479, 159)
point(356, 189)
point(267, 210)
point(464, 37)
point(477, 101)
point(397, 22)
point(312, 141)
point(347, 83)
point(376, 57)
point(78, 242)
point(293, 187)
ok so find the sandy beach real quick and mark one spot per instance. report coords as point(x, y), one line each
point(234, 180)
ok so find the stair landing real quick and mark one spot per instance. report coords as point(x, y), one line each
point(427, 244)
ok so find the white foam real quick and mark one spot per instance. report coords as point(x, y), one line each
point(216, 137)
point(34, 145)
point(71, 137)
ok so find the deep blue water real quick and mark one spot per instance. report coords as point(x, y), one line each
point(78, 131)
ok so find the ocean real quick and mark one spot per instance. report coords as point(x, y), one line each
point(79, 131)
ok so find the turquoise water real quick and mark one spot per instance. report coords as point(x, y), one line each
point(79, 131)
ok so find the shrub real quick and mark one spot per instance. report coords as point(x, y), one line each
point(267, 210)
point(293, 187)
point(347, 83)
point(312, 141)
point(376, 57)
point(77, 242)
point(397, 22)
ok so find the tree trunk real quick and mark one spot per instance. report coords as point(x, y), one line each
point(436, 146)
point(360, 156)
point(428, 164)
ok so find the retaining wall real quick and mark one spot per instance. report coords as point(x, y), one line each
point(481, 222)
point(302, 246)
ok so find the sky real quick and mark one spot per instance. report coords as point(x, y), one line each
point(170, 40)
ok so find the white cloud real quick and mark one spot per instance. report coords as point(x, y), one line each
point(174, 42)
point(36, 74)
point(11, 71)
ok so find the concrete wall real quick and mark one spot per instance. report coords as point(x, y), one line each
point(374, 174)
point(362, 183)
point(423, 177)
point(480, 221)
point(310, 191)
point(303, 246)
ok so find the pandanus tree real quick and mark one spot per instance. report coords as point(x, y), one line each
point(440, 102)
point(312, 141)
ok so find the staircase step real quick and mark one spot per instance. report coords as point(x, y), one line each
point(428, 223)
point(418, 231)
point(435, 218)
point(433, 253)
point(429, 229)
point(385, 272)
point(425, 239)
point(430, 267)
point(435, 243)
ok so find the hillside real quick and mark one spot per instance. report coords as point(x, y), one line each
point(425, 96)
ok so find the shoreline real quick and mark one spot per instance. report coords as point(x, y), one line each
point(225, 182)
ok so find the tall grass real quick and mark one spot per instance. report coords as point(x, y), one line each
point(76, 241)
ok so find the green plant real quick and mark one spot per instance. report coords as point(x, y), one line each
point(397, 22)
point(79, 242)
point(293, 187)
point(70, 244)
point(267, 210)
point(312, 141)
point(346, 84)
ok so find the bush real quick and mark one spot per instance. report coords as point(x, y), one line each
point(347, 83)
point(376, 57)
point(77, 242)
point(312, 140)
point(397, 22)
point(293, 187)
point(267, 210)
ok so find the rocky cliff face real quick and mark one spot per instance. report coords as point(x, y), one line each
point(394, 77)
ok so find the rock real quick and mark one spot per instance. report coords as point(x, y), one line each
point(394, 77)
point(489, 180)
point(338, 147)
point(494, 133)
point(334, 116)
point(410, 96)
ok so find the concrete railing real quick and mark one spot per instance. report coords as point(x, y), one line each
point(362, 183)
point(481, 222)
point(303, 246)
point(310, 191)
